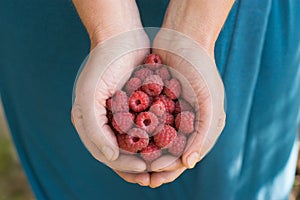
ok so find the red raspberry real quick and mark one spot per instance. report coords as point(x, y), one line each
point(153, 85)
point(169, 104)
point(108, 104)
point(158, 108)
point(122, 122)
point(165, 136)
point(172, 88)
point(139, 101)
point(153, 61)
point(178, 145)
point(151, 152)
point(164, 73)
point(143, 73)
point(136, 140)
point(146, 121)
point(109, 116)
point(150, 100)
point(119, 102)
point(182, 105)
point(185, 122)
point(132, 85)
point(168, 119)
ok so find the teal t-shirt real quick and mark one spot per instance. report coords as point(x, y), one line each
point(42, 44)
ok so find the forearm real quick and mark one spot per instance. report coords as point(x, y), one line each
point(105, 18)
point(201, 20)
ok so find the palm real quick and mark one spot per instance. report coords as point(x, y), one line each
point(99, 80)
point(190, 60)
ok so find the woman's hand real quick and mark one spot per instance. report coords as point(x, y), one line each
point(118, 44)
point(186, 43)
point(103, 74)
point(115, 57)
point(190, 59)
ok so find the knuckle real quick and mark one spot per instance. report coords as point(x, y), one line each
point(76, 111)
point(76, 114)
point(221, 121)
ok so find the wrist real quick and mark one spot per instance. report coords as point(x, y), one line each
point(200, 20)
point(104, 19)
point(121, 18)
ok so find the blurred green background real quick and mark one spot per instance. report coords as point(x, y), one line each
point(13, 182)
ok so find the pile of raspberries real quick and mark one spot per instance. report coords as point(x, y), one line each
point(148, 116)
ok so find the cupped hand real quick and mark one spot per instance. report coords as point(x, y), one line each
point(190, 59)
point(199, 19)
point(107, 68)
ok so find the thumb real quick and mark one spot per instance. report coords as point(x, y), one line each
point(103, 138)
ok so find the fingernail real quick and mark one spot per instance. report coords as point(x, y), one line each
point(192, 159)
point(141, 184)
point(108, 152)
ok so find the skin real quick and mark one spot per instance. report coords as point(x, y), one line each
point(104, 19)
point(200, 20)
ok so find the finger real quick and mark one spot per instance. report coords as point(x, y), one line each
point(196, 140)
point(208, 128)
point(212, 138)
point(142, 179)
point(123, 163)
point(91, 125)
point(128, 163)
point(76, 116)
point(106, 142)
point(159, 178)
point(77, 120)
point(166, 163)
point(72, 120)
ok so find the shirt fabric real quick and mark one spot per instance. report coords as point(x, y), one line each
point(257, 54)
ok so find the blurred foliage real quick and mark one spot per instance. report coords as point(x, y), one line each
point(13, 183)
point(295, 194)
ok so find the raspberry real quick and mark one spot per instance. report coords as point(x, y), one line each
point(153, 61)
point(122, 122)
point(143, 73)
point(119, 102)
point(151, 152)
point(172, 88)
point(146, 121)
point(169, 104)
point(153, 119)
point(158, 108)
point(132, 85)
point(139, 101)
point(168, 119)
point(150, 100)
point(185, 122)
point(182, 105)
point(109, 116)
point(178, 145)
point(153, 85)
point(165, 136)
point(136, 140)
point(164, 73)
point(108, 104)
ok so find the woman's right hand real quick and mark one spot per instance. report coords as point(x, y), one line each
point(118, 44)
point(186, 42)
